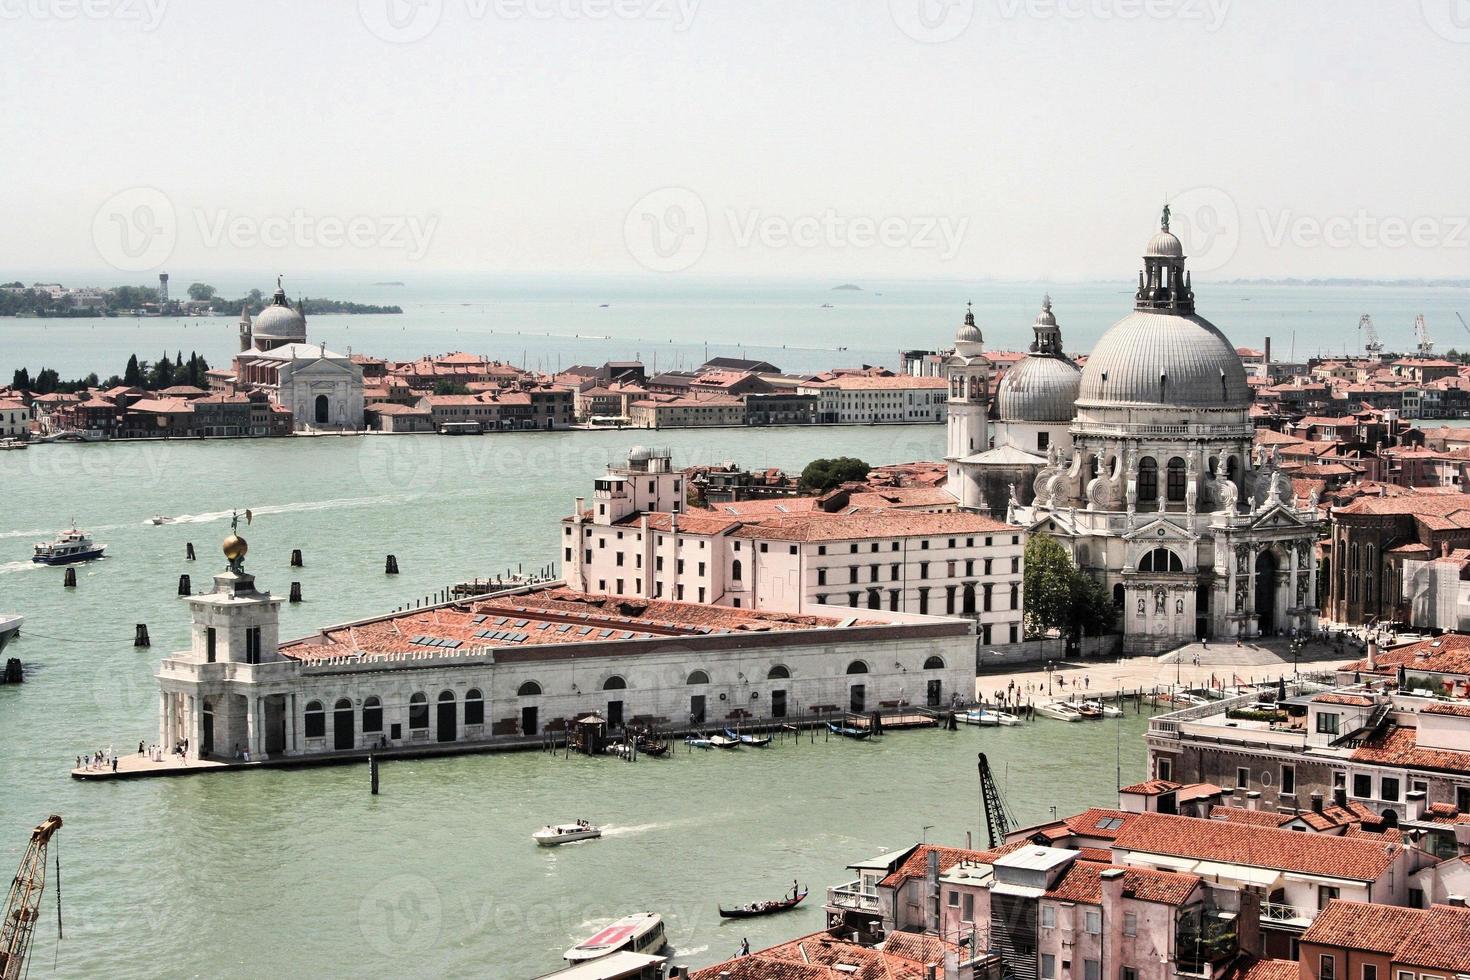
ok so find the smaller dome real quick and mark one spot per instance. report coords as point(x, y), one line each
point(638, 454)
point(1164, 245)
point(968, 332)
point(1046, 318)
point(1039, 389)
point(279, 321)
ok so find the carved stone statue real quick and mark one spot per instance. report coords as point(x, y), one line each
point(1161, 600)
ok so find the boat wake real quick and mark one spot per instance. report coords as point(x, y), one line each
point(304, 506)
point(635, 829)
point(8, 567)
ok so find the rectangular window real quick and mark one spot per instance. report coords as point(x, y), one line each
point(1092, 970)
point(1130, 923)
point(618, 558)
point(967, 914)
point(1326, 723)
point(209, 644)
point(1093, 922)
point(1014, 633)
point(1327, 967)
point(1049, 967)
point(1362, 786)
point(1325, 894)
point(1166, 769)
point(1288, 780)
point(1242, 776)
point(954, 899)
point(821, 576)
point(252, 645)
point(1048, 916)
point(1388, 789)
point(1370, 971)
point(1128, 973)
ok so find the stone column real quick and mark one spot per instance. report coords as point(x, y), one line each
point(1291, 603)
point(292, 745)
point(190, 726)
point(165, 709)
point(252, 726)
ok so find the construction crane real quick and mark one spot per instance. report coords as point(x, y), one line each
point(1462, 322)
point(1426, 346)
point(1371, 344)
point(998, 819)
point(23, 907)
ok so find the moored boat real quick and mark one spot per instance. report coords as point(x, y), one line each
point(763, 908)
point(698, 743)
point(1106, 710)
point(857, 734)
point(724, 742)
point(69, 547)
point(553, 834)
point(751, 740)
point(1059, 710)
point(989, 717)
point(648, 745)
point(1087, 709)
point(642, 932)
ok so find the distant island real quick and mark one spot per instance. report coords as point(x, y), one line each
point(387, 284)
point(56, 300)
point(1456, 283)
point(848, 286)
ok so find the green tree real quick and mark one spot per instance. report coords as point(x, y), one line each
point(445, 386)
point(821, 475)
point(201, 291)
point(21, 379)
point(1093, 611)
point(1047, 585)
point(133, 375)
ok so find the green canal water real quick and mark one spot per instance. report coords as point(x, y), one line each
point(303, 872)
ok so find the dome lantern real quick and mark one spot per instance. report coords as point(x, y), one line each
point(1164, 284)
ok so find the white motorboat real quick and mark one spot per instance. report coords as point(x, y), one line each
point(9, 628)
point(68, 548)
point(989, 716)
point(1059, 710)
point(642, 932)
point(565, 833)
point(161, 519)
point(1108, 710)
point(724, 742)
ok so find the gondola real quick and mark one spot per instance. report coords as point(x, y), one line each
point(761, 908)
point(652, 746)
point(751, 740)
point(853, 733)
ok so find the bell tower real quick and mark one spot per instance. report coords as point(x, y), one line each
point(968, 426)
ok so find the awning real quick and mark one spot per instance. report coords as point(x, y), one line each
point(1265, 877)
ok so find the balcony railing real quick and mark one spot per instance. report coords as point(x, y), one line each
point(1286, 914)
point(852, 896)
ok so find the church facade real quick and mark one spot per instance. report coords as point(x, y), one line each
point(1142, 464)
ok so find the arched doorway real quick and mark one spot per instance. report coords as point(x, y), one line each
point(343, 736)
point(1266, 591)
point(447, 716)
point(323, 410)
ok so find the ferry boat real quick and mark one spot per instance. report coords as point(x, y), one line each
point(9, 628)
point(552, 835)
point(642, 932)
point(71, 546)
point(1059, 710)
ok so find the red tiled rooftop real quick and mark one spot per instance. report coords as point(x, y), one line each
point(884, 524)
point(1082, 882)
point(1255, 818)
point(1398, 746)
point(1151, 787)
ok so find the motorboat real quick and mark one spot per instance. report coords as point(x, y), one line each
point(754, 741)
point(1106, 710)
point(1088, 709)
point(698, 743)
point(69, 547)
point(642, 932)
point(764, 908)
point(161, 519)
point(9, 628)
point(1059, 710)
point(989, 716)
point(724, 742)
point(565, 833)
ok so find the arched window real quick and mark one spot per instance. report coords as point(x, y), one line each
point(735, 570)
point(857, 667)
point(316, 720)
point(778, 672)
point(934, 663)
point(1015, 596)
point(614, 683)
point(698, 677)
point(1118, 596)
point(1176, 480)
point(1148, 479)
point(474, 707)
point(446, 696)
point(418, 711)
point(528, 690)
point(342, 705)
point(372, 714)
point(1161, 560)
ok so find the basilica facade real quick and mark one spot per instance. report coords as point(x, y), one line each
point(1142, 464)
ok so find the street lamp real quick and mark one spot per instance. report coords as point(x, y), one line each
point(1050, 670)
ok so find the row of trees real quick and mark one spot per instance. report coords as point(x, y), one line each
point(163, 373)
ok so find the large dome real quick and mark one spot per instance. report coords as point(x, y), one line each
point(1039, 389)
point(1169, 359)
point(278, 321)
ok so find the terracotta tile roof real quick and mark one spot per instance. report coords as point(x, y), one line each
point(1258, 969)
point(885, 524)
point(1333, 816)
point(916, 865)
point(1361, 926)
point(1255, 818)
point(1099, 822)
point(1357, 700)
point(1449, 654)
point(1461, 710)
point(1151, 787)
point(1398, 746)
point(1261, 847)
point(821, 957)
point(851, 382)
point(1444, 944)
point(690, 522)
point(1082, 882)
point(918, 948)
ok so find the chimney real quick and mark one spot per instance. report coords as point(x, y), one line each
point(1253, 800)
point(577, 508)
point(931, 900)
point(1372, 653)
point(1266, 370)
point(1414, 805)
point(1112, 892)
point(1339, 796)
point(1316, 801)
point(1248, 923)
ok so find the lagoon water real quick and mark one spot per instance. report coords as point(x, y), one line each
point(302, 871)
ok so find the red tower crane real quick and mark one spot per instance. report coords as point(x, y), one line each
point(23, 907)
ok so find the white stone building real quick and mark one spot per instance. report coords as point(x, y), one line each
point(322, 389)
point(1156, 489)
point(869, 399)
point(638, 539)
point(514, 665)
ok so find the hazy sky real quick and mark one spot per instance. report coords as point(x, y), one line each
point(897, 138)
